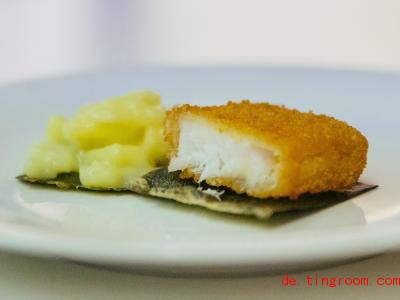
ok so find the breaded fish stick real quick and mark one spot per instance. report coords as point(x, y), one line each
point(264, 150)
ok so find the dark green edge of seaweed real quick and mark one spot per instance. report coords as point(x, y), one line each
point(163, 184)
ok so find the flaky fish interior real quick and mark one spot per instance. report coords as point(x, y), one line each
point(227, 158)
point(264, 150)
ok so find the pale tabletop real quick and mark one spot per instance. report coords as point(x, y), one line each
point(23, 277)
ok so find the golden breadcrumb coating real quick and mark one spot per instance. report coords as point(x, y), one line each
point(317, 153)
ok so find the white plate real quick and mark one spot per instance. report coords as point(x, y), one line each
point(151, 235)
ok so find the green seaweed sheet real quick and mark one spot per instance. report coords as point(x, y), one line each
point(163, 184)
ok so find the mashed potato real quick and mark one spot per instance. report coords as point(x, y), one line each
point(107, 143)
